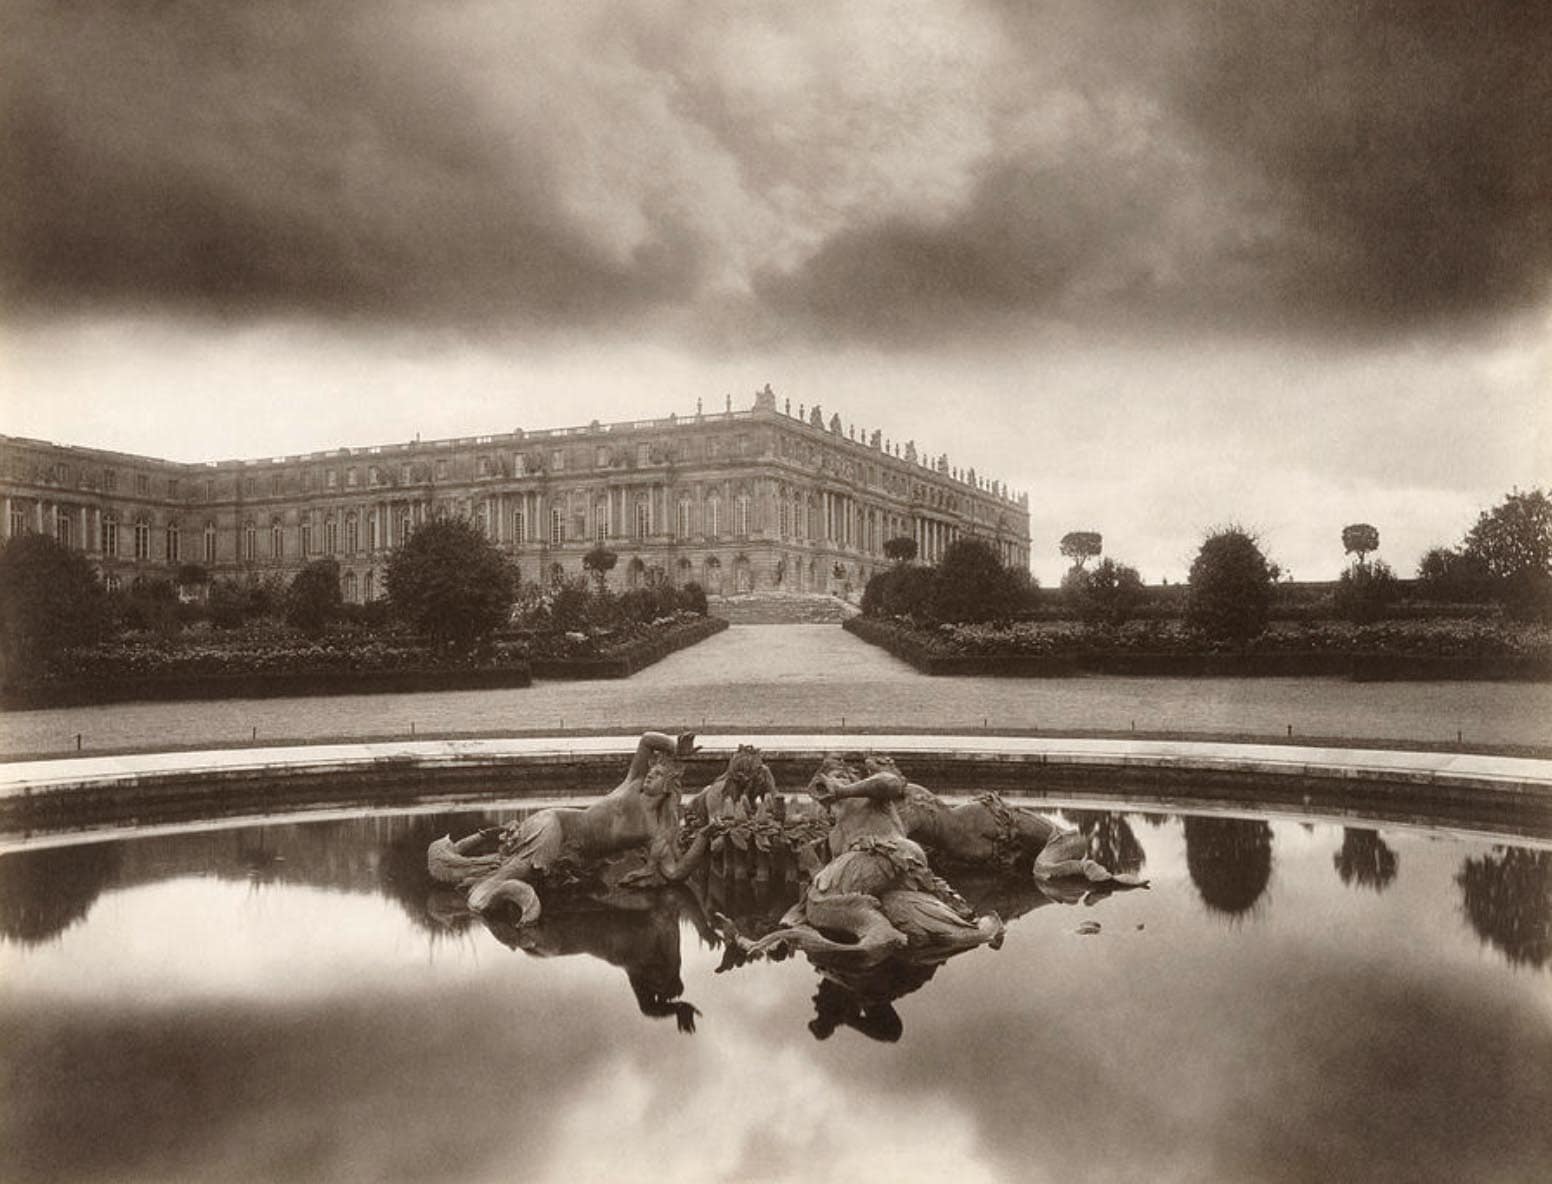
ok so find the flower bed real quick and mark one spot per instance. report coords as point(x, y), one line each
point(621, 652)
point(276, 663)
point(1439, 648)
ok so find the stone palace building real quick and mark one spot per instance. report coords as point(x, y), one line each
point(738, 500)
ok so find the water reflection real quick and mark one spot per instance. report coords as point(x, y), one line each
point(1230, 862)
point(1508, 899)
point(345, 1036)
point(1111, 839)
point(1364, 860)
point(44, 893)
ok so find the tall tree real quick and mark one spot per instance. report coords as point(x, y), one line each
point(1512, 542)
point(1081, 545)
point(1515, 536)
point(1359, 538)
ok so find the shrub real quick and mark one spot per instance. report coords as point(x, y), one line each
point(1365, 591)
point(692, 598)
point(1231, 586)
point(1111, 594)
point(449, 583)
point(972, 585)
point(599, 562)
point(227, 604)
point(902, 548)
point(49, 600)
point(313, 599)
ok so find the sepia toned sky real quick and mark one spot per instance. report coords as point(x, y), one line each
point(1162, 264)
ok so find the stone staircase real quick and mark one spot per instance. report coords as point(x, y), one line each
point(781, 608)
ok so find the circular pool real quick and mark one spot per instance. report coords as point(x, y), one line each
point(1296, 996)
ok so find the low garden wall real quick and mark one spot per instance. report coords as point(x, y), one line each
point(1070, 657)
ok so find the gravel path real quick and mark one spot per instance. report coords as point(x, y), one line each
point(812, 677)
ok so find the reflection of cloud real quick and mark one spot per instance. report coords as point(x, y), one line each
point(764, 1113)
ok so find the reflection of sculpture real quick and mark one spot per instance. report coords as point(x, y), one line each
point(1230, 861)
point(642, 811)
point(1508, 899)
point(639, 933)
point(1364, 859)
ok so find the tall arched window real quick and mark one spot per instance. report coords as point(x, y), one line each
point(62, 527)
point(519, 527)
point(643, 518)
point(784, 517)
point(277, 540)
point(683, 520)
point(373, 532)
point(307, 536)
point(172, 543)
point(210, 542)
point(110, 536)
point(600, 520)
point(557, 525)
point(351, 587)
point(330, 537)
point(741, 515)
point(352, 533)
point(368, 587)
point(798, 524)
point(713, 516)
point(250, 542)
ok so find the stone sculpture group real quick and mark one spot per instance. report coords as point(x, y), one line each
point(864, 846)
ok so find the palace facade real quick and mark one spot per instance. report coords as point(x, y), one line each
point(738, 500)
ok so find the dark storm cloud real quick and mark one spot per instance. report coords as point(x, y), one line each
point(1327, 166)
point(850, 172)
point(289, 156)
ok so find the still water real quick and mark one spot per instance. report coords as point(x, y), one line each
point(1289, 1001)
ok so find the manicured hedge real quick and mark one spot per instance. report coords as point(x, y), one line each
point(1387, 651)
point(152, 669)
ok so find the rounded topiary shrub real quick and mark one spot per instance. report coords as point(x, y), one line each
point(1231, 586)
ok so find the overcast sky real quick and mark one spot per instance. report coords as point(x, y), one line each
point(1162, 264)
